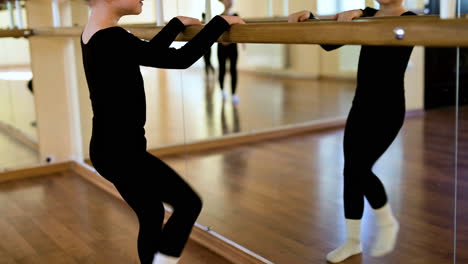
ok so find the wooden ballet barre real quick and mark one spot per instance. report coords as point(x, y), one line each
point(433, 32)
point(425, 32)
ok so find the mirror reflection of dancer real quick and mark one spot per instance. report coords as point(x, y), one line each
point(230, 127)
point(112, 58)
point(376, 117)
point(228, 51)
point(31, 89)
point(207, 56)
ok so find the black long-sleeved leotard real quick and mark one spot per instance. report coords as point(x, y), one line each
point(112, 60)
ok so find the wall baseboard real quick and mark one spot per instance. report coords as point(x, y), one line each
point(34, 171)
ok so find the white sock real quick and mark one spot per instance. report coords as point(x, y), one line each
point(352, 246)
point(235, 99)
point(160, 258)
point(387, 232)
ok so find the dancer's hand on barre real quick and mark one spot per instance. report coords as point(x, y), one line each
point(189, 21)
point(232, 20)
point(348, 15)
point(299, 16)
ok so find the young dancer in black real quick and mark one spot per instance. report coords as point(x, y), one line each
point(376, 116)
point(112, 58)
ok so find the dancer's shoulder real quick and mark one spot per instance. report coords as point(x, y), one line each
point(104, 34)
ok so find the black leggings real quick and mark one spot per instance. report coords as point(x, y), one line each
point(368, 134)
point(145, 182)
point(228, 52)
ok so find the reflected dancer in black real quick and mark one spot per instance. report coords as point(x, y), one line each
point(207, 56)
point(235, 126)
point(228, 51)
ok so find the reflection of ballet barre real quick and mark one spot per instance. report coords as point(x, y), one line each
point(329, 18)
point(14, 33)
point(283, 19)
point(431, 32)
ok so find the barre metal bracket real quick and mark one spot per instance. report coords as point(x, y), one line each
point(399, 32)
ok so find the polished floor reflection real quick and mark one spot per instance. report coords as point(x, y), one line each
point(14, 154)
point(282, 199)
point(17, 111)
point(16, 101)
point(183, 106)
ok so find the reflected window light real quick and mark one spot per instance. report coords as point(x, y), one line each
point(326, 7)
point(16, 76)
point(330, 7)
point(352, 4)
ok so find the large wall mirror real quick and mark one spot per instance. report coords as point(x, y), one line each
point(282, 197)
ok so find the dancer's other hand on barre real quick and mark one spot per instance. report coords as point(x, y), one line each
point(299, 16)
point(348, 15)
point(189, 21)
point(232, 20)
point(340, 17)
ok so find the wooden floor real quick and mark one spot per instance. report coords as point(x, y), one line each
point(62, 218)
point(282, 199)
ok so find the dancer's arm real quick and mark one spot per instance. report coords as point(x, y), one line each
point(168, 34)
point(157, 53)
point(343, 16)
